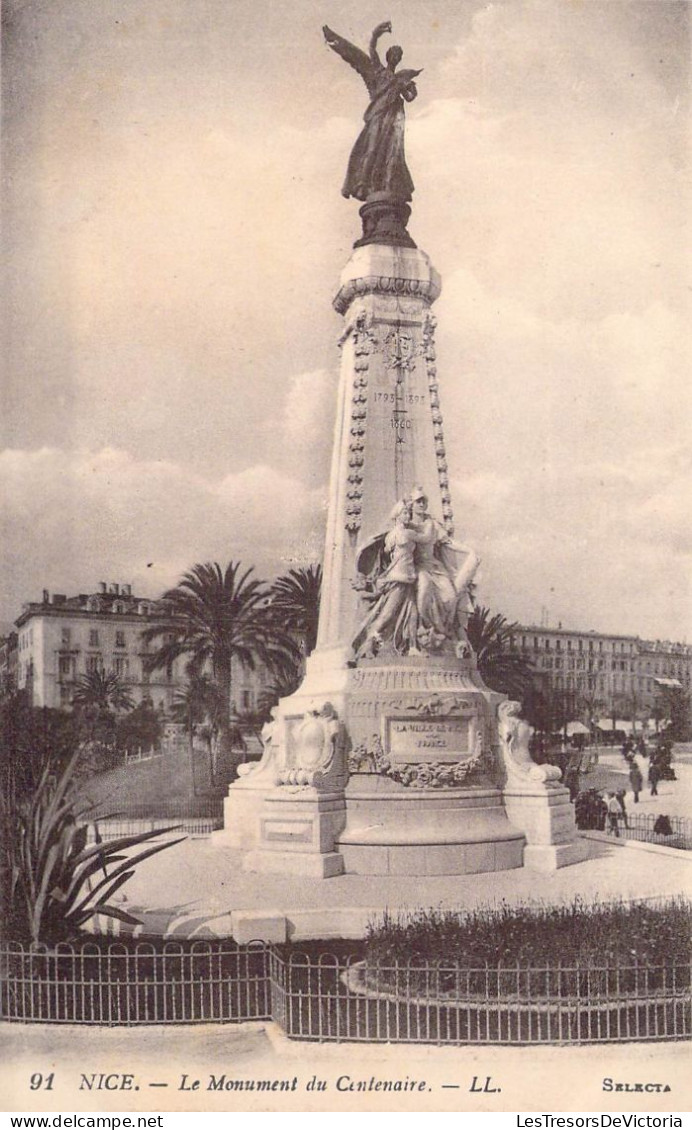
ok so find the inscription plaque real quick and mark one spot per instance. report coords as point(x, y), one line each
point(428, 739)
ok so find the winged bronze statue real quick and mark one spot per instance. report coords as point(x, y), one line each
point(377, 163)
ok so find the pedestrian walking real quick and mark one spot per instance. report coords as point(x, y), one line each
point(572, 782)
point(636, 781)
point(654, 777)
point(620, 797)
point(614, 813)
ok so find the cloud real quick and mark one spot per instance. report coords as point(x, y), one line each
point(105, 514)
point(607, 545)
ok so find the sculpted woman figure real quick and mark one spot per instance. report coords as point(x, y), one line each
point(418, 579)
point(445, 569)
point(377, 163)
point(393, 614)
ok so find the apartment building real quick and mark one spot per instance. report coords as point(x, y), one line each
point(61, 638)
point(602, 672)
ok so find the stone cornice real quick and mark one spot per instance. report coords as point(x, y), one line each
point(428, 289)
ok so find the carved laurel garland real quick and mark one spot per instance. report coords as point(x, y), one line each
point(430, 356)
point(363, 342)
point(370, 757)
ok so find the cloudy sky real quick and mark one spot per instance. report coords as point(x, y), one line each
point(173, 234)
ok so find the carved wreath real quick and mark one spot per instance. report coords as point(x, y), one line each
point(370, 757)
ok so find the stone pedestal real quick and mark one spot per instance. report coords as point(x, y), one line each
point(546, 817)
point(297, 831)
point(534, 799)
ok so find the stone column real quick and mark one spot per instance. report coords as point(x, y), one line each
point(388, 434)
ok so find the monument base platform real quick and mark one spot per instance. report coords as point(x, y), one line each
point(313, 866)
point(392, 830)
point(550, 857)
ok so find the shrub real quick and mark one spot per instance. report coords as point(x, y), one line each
point(590, 935)
point(54, 879)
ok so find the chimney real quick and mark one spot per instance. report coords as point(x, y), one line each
point(46, 596)
point(126, 590)
point(59, 597)
point(102, 586)
point(113, 589)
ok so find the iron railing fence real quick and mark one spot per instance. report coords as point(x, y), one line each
point(195, 815)
point(204, 806)
point(329, 998)
point(149, 983)
point(641, 826)
point(133, 756)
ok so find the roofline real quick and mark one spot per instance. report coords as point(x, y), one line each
point(591, 633)
point(62, 610)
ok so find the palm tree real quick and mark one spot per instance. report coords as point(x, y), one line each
point(96, 698)
point(199, 703)
point(295, 597)
point(500, 668)
point(216, 616)
point(103, 691)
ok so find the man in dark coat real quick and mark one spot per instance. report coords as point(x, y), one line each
point(636, 780)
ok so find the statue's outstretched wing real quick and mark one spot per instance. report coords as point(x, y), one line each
point(350, 53)
point(408, 76)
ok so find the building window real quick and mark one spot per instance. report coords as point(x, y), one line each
point(66, 635)
point(94, 664)
point(122, 666)
point(65, 666)
point(246, 700)
point(93, 637)
point(119, 639)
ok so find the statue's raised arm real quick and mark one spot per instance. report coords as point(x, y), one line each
point(377, 164)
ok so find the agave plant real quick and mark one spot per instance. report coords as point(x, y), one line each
point(56, 879)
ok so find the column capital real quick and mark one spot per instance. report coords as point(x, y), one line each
point(392, 271)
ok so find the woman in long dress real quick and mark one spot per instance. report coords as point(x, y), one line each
point(378, 162)
point(444, 569)
point(393, 615)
